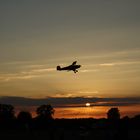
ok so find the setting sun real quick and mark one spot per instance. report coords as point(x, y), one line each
point(87, 104)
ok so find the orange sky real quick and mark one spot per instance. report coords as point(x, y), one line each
point(36, 36)
point(86, 112)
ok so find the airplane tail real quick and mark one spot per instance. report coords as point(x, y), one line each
point(58, 68)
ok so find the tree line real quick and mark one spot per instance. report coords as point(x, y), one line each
point(45, 120)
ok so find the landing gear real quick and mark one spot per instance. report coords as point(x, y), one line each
point(75, 71)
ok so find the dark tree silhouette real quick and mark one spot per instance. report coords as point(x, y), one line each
point(45, 111)
point(44, 119)
point(113, 114)
point(137, 117)
point(6, 112)
point(24, 120)
point(7, 117)
point(24, 117)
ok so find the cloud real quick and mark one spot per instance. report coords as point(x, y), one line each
point(97, 67)
point(89, 92)
point(111, 64)
point(120, 63)
point(107, 64)
point(10, 77)
point(43, 70)
point(90, 70)
point(69, 101)
point(24, 75)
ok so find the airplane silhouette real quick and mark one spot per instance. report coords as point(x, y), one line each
point(72, 67)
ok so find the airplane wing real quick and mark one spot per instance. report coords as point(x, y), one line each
point(74, 63)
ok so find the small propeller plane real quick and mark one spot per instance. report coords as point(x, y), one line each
point(72, 67)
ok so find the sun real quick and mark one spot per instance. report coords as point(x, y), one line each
point(87, 104)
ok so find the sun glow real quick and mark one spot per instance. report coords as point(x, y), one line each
point(87, 104)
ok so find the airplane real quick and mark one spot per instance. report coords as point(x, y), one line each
point(72, 67)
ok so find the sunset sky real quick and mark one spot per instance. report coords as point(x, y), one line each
point(101, 35)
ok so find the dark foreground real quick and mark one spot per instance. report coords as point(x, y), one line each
point(73, 129)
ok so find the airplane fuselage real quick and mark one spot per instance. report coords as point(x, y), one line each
point(72, 67)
